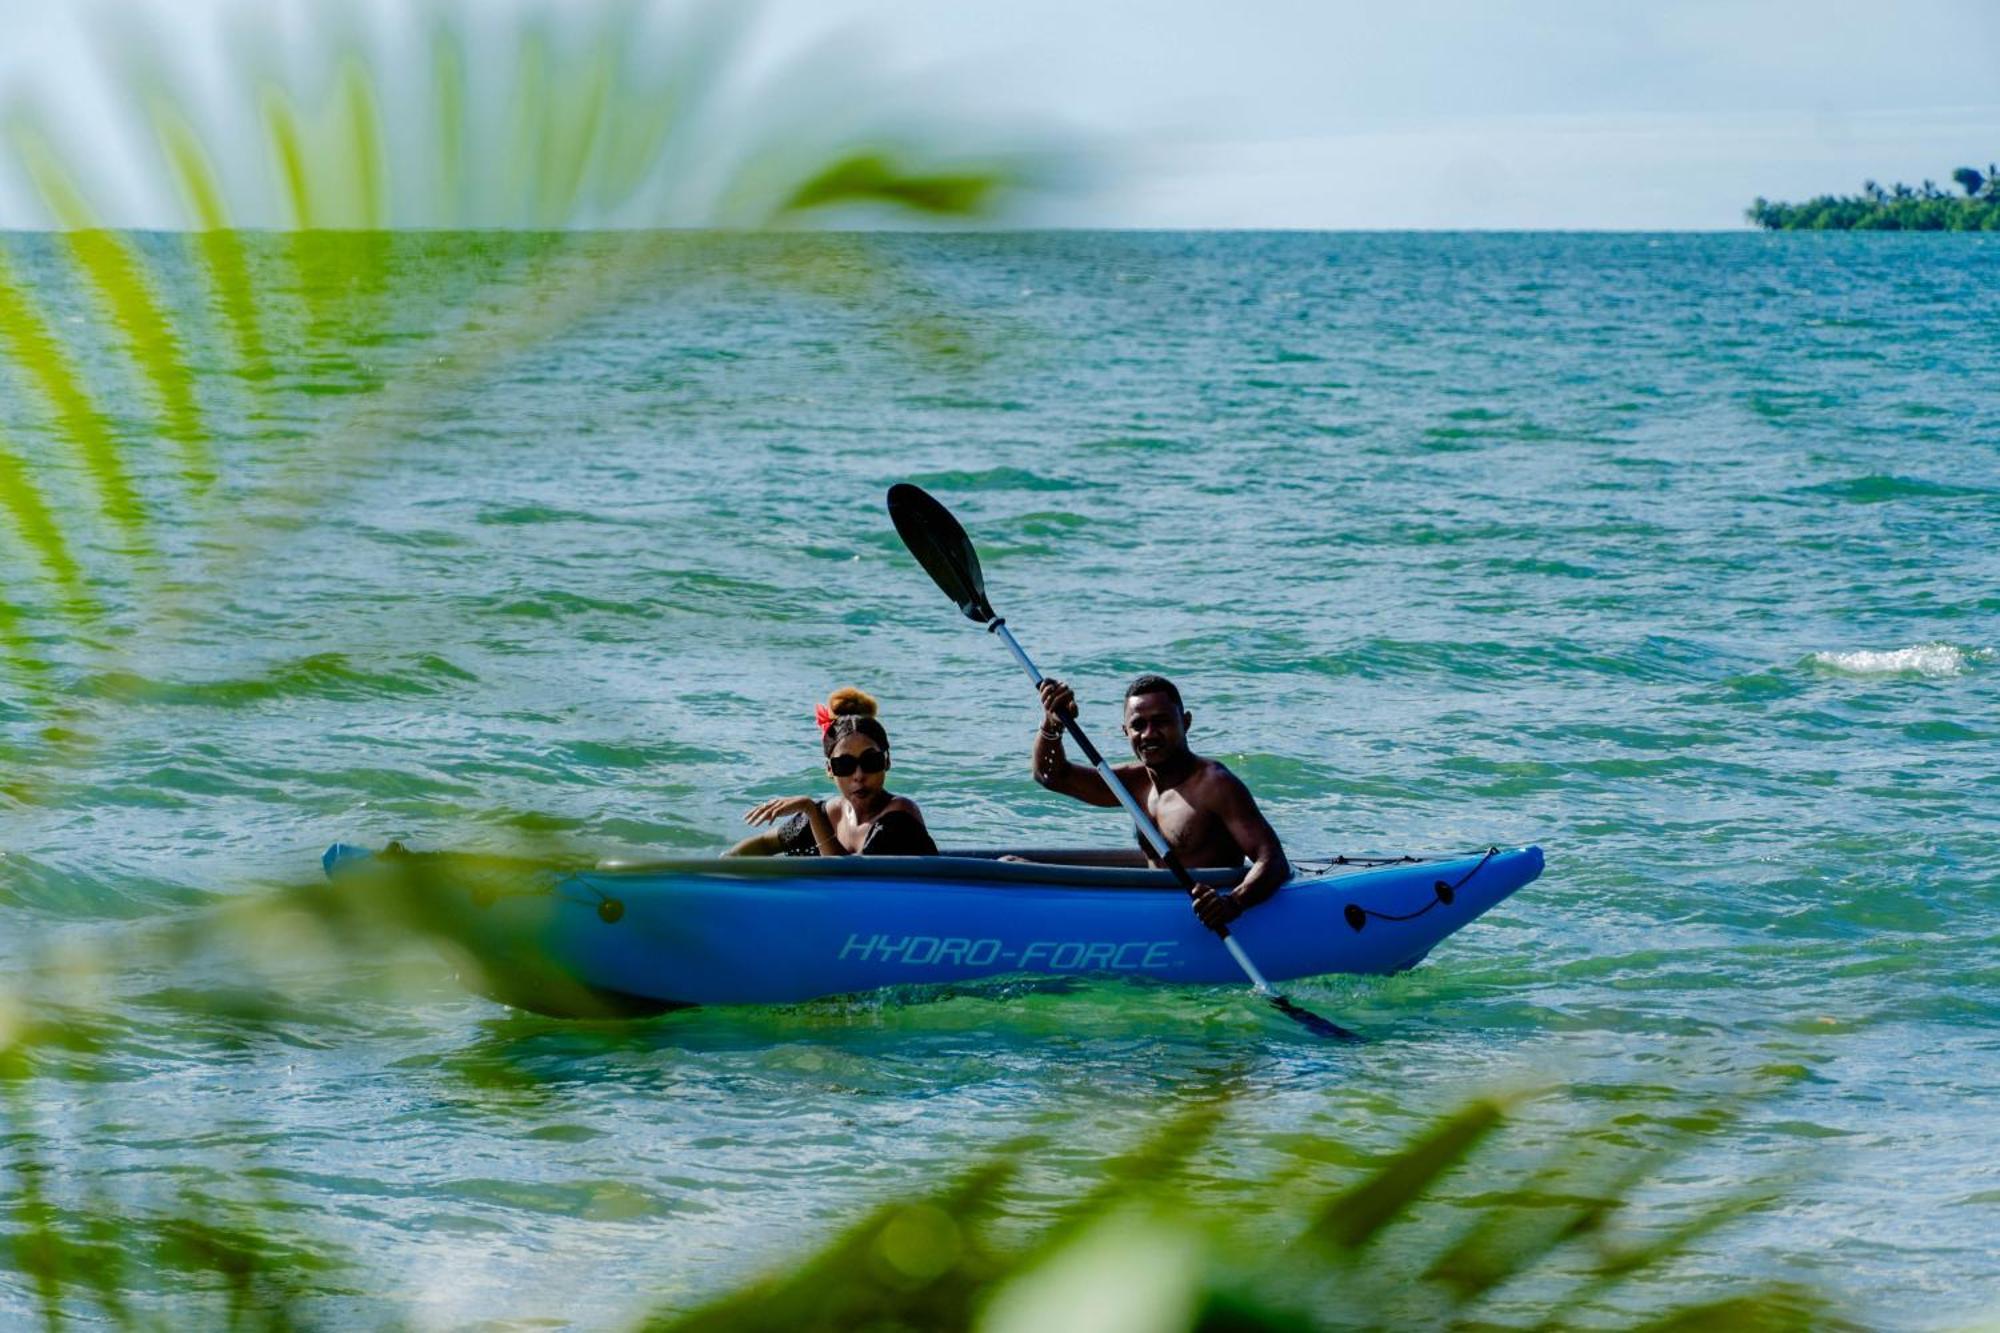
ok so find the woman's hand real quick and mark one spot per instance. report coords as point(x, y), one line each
point(781, 807)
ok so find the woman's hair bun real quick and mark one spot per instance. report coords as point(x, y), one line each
point(850, 702)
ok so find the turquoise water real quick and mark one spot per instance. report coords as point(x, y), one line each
point(1677, 555)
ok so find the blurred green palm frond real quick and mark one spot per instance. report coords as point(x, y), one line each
point(1386, 1252)
point(871, 177)
point(470, 181)
point(1545, 1212)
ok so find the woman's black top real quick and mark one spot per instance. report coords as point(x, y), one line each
point(898, 833)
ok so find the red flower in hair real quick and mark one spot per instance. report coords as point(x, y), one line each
point(822, 716)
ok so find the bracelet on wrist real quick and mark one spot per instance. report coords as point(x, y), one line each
point(1051, 733)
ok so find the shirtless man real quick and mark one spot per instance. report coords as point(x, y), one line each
point(1205, 812)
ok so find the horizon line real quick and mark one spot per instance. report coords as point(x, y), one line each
point(907, 230)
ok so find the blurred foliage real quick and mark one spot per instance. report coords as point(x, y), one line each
point(1145, 1254)
point(472, 179)
point(1473, 1222)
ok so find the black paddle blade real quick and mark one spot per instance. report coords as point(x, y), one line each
point(1312, 1022)
point(940, 545)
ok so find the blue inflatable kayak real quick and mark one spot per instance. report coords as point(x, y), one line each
point(638, 937)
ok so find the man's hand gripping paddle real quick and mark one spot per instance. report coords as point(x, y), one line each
point(939, 543)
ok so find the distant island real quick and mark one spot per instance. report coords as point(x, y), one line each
point(1899, 208)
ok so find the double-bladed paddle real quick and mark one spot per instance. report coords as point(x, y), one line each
point(939, 543)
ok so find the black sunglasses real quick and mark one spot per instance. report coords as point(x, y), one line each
point(868, 761)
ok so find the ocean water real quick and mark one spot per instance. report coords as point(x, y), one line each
point(1678, 555)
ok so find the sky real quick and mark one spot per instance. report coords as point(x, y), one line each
point(1388, 114)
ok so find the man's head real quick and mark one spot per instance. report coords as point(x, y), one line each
point(1155, 721)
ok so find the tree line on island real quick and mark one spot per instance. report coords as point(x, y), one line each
point(1900, 208)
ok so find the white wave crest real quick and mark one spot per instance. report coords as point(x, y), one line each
point(1935, 660)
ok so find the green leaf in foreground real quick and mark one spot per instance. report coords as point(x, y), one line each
point(873, 177)
point(1448, 1230)
point(1354, 1218)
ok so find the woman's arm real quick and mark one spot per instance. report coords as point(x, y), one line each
point(822, 827)
point(757, 844)
point(782, 807)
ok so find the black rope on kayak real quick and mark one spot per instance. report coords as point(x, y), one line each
point(609, 909)
point(1441, 892)
point(1322, 865)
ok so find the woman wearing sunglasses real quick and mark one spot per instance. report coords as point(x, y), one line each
point(865, 818)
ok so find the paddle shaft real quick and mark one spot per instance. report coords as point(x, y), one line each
point(1147, 827)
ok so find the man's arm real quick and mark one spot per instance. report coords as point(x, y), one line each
point(1050, 763)
point(1269, 868)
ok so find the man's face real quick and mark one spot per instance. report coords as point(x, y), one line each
point(1156, 727)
